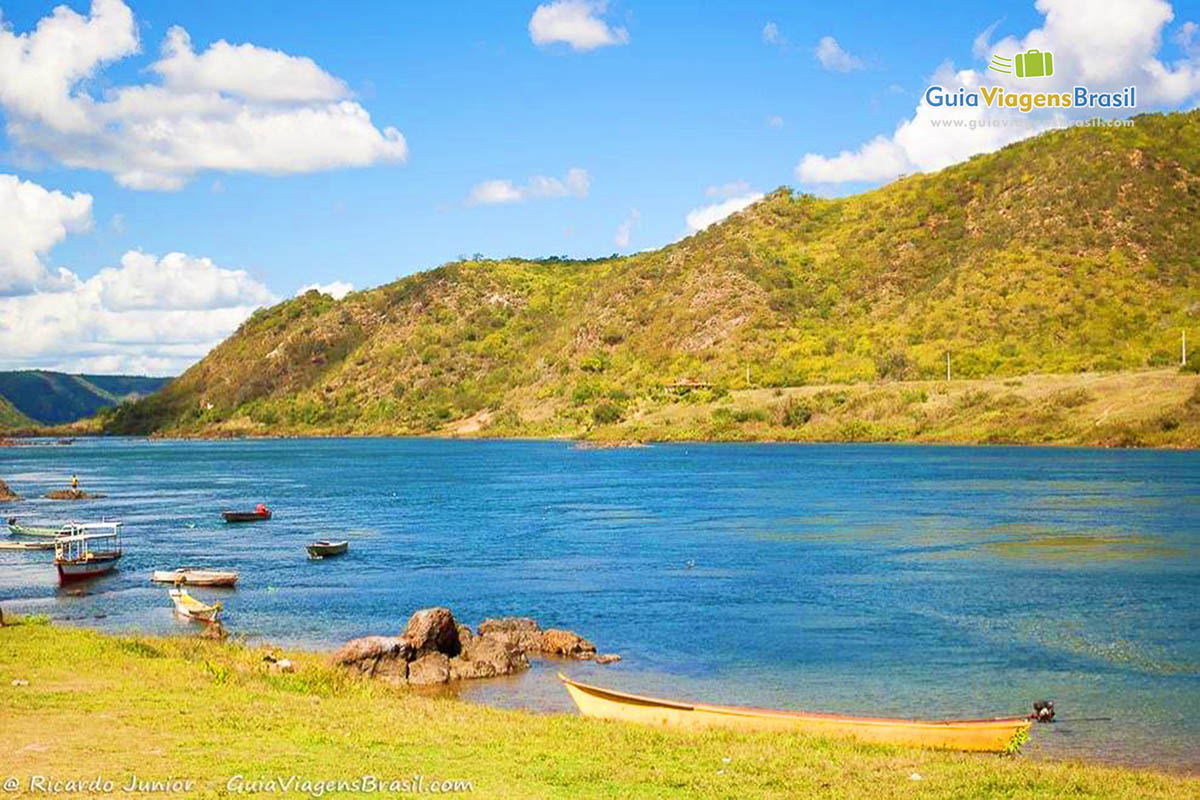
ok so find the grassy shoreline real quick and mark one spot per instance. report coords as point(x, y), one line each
point(193, 710)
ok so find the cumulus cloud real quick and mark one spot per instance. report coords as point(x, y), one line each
point(145, 315)
point(832, 57)
point(576, 183)
point(625, 230)
point(237, 108)
point(577, 23)
point(148, 315)
point(700, 218)
point(772, 35)
point(335, 289)
point(32, 221)
point(1104, 46)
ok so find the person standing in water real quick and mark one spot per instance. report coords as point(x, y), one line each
point(75, 483)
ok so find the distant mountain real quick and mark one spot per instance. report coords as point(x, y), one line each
point(53, 398)
point(1074, 251)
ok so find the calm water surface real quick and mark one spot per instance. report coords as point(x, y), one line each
point(907, 581)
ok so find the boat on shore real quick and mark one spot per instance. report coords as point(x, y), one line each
point(979, 735)
point(259, 513)
point(326, 548)
point(195, 576)
point(190, 608)
point(87, 551)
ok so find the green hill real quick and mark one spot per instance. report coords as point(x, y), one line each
point(54, 398)
point(1075, 251)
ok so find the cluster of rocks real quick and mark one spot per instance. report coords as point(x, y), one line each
point(7, 495)
point(435, 648)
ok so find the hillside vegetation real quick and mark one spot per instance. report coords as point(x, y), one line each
point(1073, 252)
point(52, 398)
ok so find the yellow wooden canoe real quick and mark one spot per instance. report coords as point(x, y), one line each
point(983, 735)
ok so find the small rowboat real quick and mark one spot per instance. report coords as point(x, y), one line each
point(981, 735)
point(191, 608)
point(47, 545)
point(259, 513)
point(195, 576)
point(326, 548)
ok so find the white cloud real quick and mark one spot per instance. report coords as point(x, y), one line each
point(146, 315)
point(576, 183)
point(772, 35)
point(149, 315)
point(728, 189)
point(335, 289)
point(625, 230)
point(245, 70)
point(236, 108)
point(1104, 46)
point(1188, 38)
point(832, 57)
point(700, 218)
point(775, 122)
point(32, 221)
point(575, 22)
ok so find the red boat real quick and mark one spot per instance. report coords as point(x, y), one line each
point(259, 513)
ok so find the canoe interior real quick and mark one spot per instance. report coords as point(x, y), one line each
point(982, 735)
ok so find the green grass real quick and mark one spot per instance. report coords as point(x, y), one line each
point(205, 711)
point(1070, 252)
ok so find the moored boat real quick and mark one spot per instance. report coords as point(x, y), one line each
point(46, 545)
point(87, 551)
point(259, 513)
point(195, 576)
point(35, 531)
point(981, 735)
point(191, 608)
point(325, 548)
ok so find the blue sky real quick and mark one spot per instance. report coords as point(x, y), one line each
point(692, 106)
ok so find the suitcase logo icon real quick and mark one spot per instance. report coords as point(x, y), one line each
point(1031, 64)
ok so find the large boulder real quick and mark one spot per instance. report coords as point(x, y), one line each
point(520, 633)
point(7, 495)
point(433, 630)
point(369, 647)
point(486, 657)
point(431, 668)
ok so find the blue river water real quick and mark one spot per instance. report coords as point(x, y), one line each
point(886, 580)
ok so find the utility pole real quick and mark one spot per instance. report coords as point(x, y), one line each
point(947, 366)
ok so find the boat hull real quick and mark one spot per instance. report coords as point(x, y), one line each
point(984, 735)
point(189, 607)
point(80, 570)
point(233, 517)
point(326, 549)
point(34, 532)
point(198, 577)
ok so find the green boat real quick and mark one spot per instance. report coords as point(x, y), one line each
point(33, 531)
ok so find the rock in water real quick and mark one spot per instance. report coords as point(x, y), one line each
point(429, 669)
point(557, 642)
point(433, 630)
point(71, 494)
point(7, 495)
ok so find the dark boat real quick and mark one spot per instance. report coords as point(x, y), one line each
point(259, 513)
point(326, 548)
